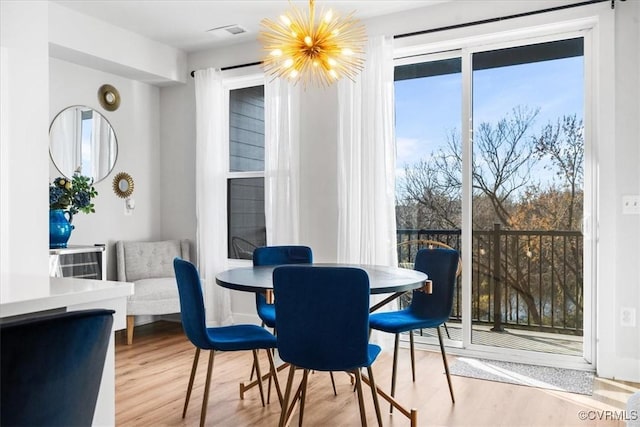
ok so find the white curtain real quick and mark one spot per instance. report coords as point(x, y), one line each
point(282, 162)
point(102, 146)
point(366, 161)
point(67, 127)
point(211, 191)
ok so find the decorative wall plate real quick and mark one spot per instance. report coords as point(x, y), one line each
point(109, 97)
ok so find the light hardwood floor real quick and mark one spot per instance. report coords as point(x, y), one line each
point(152, 376)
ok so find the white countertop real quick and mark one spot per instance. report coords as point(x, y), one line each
point(63, 292)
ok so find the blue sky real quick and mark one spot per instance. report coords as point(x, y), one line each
point(427, 108)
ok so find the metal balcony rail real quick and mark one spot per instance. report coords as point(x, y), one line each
point(526, 279)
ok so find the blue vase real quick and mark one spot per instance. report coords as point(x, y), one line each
point(59, 228)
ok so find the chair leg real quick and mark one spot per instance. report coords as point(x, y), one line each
point(205, 398)
point(303, 396)
point(253, 368)
point(395, 369)
point(274, 374)
point(258, 374)
point(194, 368)
point(333, 384)
point(446, 330)
point(363, 415)
point(130, 325)
point(413, 357)
point(287, 394)
point(446, 365)
point(374, 394)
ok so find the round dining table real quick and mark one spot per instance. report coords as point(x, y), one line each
point(382, 279)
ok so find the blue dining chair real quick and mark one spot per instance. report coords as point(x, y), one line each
point(426, 310)
point(224, 338)
point(51, 368)
point(277, 255)
point(323, 325)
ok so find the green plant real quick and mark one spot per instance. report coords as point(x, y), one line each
point(73, 195)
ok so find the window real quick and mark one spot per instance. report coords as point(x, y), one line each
point(245, 183)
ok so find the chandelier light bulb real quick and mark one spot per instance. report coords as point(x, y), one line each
point(328, 16)
point(315, 49)
point(285, 19)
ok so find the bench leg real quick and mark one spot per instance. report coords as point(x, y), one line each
point(130, 322)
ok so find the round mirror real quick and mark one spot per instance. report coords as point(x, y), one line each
point(82, 140)
point(123, 185)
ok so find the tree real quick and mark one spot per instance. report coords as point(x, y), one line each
point(563, 145)
point(505, 155)
point(502, 161)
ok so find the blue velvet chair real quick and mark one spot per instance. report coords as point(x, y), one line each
point(323, 325)
point(224, 338)
point(427, 310)
point(51, 368)
point(277, 255)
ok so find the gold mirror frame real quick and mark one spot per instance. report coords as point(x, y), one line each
point(123, 185)
point(109, 97)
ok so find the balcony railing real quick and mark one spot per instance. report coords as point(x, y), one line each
point(520, 278)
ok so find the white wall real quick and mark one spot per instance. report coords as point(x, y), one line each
point(88, 41)
point(136, 124)
point(618, 274)
point(24, 210)
point(625, 343)
point(85, 54)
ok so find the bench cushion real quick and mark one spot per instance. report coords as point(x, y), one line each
point(154, 296)
point(144, 260)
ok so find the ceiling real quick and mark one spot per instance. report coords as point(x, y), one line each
point(184, 24)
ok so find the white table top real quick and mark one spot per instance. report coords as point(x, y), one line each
point(63, 292)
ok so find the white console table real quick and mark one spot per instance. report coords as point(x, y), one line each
point(70, 294)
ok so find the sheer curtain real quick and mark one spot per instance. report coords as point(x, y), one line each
point(282, 162)
point(67, 125)
point(102, 145)
point(366, 161)
point(211, 190)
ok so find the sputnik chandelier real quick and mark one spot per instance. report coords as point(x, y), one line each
point(300, 49)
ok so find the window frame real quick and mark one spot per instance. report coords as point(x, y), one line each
point(234, 81)
point(447, 44)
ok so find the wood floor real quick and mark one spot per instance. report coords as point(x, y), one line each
point(152, 376)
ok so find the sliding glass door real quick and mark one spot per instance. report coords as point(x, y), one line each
point(527, 196)
point(428, 97)
point(491, 150)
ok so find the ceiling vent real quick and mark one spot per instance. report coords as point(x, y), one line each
point(227, 31)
